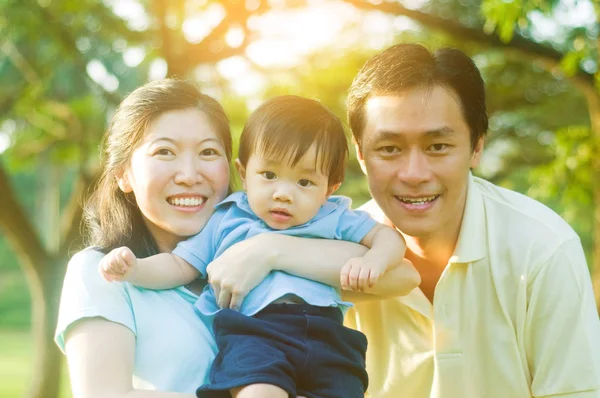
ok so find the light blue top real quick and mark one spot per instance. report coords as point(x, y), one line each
point(234, 221)
point(174, 347)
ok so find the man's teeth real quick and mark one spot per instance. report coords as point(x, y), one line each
point(418, 201)
point(187, 201)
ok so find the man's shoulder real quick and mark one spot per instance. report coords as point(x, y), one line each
point(374, 211)
point(522, 214)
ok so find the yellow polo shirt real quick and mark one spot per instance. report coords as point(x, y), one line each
point(513, 313)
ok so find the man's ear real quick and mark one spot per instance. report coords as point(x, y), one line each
point(241, 171)
point(476, 155)
point(360, 157)
point(333, 188)
point(123, 183)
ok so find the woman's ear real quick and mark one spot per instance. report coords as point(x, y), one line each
point(123, 183)
point(241, 171)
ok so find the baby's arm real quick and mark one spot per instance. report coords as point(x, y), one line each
point(161, 271)
point(386, 249)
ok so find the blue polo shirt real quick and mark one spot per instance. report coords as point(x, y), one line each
point(234, 221)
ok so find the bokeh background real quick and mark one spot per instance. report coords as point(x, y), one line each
point(66, 64)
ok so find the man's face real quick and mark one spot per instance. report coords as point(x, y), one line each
point(416, 151)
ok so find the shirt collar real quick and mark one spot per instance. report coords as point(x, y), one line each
point(471, 245)
point(333, 202)
point(239, 198)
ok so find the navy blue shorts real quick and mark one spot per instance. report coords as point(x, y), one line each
point(303, 349)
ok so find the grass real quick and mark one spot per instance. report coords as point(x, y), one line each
point(16, 361)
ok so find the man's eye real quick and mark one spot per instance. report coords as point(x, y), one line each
point(269, 175)
point(305, 183)
point(439, 147)
point(389, 149)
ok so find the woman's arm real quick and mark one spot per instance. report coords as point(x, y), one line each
point(244, 265)
point(100, 355)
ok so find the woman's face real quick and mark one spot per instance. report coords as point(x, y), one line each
point(177, 174)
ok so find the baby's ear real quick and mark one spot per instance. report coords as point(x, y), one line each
point(333, 188)
point(241, 171)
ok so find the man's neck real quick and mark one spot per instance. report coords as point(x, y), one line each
point(429, 253)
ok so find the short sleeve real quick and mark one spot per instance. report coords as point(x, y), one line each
point(85, 294)
point(200, 249)
point(562, 330)
point(354, 225)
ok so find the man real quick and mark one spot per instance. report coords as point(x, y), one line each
point(505, 308)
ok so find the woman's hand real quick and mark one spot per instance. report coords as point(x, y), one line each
point(240, 269)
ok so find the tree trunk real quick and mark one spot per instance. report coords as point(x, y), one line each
point(593, 100)
point(44, 273)
point(45, 288)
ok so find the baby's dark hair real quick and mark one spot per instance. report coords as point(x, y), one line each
point(285, 128)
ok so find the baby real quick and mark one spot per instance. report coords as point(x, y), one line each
point(288, 331)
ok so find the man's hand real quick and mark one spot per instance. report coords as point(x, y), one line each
point(238, 270)
point(118, 265)
point(359, 274)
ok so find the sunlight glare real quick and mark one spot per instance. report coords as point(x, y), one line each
point(244, 81)
point(131, 11)
point(133, 56)
point(235, 37)
point(294, 33)
point(158, 69)
point(196, 27)
point(98, 73)
point(6, 131)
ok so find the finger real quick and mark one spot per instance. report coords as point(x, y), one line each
point(236, 300)
point(374, 276)
point(224, 298)
point(216, 290)
point(353, 278)
point(344, 276)
point(363, 278)
point(128, 257)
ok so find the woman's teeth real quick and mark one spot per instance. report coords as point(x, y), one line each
point(418, 201)
point(191, 202)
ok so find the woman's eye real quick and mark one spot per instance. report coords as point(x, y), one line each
point(269, 175)
point(164, 152)
point(209, 152)
point(305, 183)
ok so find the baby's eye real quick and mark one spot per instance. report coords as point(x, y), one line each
point(269, 175)
point(305, 183)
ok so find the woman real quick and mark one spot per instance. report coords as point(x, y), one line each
point(166, 164)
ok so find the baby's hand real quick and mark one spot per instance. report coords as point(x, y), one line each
point(118, 265)
point(359, 274)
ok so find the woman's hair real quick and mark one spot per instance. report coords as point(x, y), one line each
point(286, 127)
point(111, 217)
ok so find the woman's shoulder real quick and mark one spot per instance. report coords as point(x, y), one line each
point(86, 256)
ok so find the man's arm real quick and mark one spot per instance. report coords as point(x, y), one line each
point(562, 329)
point(317, 259)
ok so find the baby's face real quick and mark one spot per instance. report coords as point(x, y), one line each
point(284, 196)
